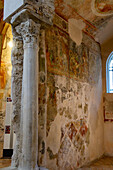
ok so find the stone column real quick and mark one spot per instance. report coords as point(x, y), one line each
point(29, 31)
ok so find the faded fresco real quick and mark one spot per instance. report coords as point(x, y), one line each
point(108, 108)
point(67, 95)
point(104, 6)
point(64, 57)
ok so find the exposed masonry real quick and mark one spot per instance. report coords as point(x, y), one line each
point(73, 100)
point(70, 90)
point(42, 100)
point(17, 74)
point(25, 109)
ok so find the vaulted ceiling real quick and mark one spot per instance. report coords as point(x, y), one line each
point(96, 14)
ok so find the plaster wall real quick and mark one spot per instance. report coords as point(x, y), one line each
point(73, 113)
point(106, 49)
point(108, 138)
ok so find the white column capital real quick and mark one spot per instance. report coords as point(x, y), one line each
point(29, 31)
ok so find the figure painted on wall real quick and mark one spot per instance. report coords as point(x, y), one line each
point(104, 6)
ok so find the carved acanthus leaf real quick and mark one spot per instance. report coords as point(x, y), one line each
point(29, 31)
point(45, 8)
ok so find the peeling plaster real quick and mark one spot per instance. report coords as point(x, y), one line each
point(75, 30)
point(74, 112)
point(55, 134)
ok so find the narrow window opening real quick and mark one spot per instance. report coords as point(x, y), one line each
point(109, 73)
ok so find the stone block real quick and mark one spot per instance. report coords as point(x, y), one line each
point(11, 6)
point(38, 9)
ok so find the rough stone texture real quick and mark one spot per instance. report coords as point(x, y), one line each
point(42, 101)
point(17, 74)
point(27, 21)
point(5, 85)
point(74, 101)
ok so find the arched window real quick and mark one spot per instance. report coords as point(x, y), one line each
point(109, 73)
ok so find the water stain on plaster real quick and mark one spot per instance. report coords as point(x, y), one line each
point(51, 155)
point(75, 30)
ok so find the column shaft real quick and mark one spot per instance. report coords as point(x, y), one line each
point(30, 33)
point(30, 101)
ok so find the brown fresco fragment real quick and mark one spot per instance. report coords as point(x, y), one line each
point(104, 6)
point(85, 108)
point(42, 93)
point(43, 147)
point(83, 129)
point(94, 62)
point(65, 146)
point(41, 61)
point(63, 131)
point(57, 51)
point(87, 137)
point(63, 151)
point(51, 155)
point(70, 64)
point(51, 101)
point(64, 57)
point(68, 113)
point(78, 61)
point(75, 139)
point(71, 131)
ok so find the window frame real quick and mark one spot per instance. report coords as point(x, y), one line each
point(110, 57)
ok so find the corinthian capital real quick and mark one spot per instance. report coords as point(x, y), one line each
point(29, 31)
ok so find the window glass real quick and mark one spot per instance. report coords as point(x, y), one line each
point(109, 73)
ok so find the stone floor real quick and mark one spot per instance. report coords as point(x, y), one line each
point(105, 163)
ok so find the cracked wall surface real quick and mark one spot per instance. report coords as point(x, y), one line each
point(73, 115)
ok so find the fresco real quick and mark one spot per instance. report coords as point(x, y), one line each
point(64, 57)
point(71, 75)
point(104, 6)
point(108, 109)
point(57, 51)
point(67, 122)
